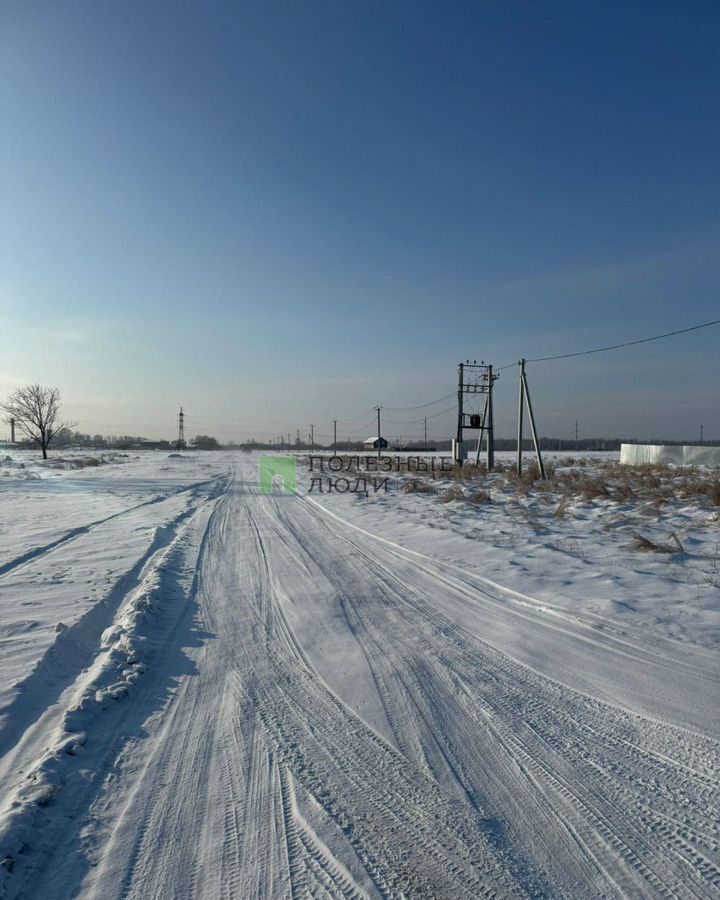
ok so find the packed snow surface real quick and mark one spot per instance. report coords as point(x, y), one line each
point(212, 692)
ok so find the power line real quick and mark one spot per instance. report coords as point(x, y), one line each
point(647, 340)
point(442, 412)
point(418, 421)
point(420, 405)
point(362, 415)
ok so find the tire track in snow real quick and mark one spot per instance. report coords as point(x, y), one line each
point(74, 533)
point(366, 787)
point(601, 805)
point(58, 849)
point(508, 784)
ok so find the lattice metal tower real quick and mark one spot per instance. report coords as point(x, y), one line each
point(180, 444)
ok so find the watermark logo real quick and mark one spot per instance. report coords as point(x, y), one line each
point(278, 471)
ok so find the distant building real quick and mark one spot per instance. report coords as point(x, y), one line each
point(375, 443)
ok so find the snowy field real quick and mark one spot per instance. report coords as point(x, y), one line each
point(455, 688)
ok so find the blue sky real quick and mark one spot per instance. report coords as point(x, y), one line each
point(284, 213)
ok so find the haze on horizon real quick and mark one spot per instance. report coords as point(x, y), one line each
point(274, 214)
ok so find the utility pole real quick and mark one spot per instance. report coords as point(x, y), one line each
point(297, 439)
point(701, 431)
point(458, 438)
point(378, 408)
point(521, 399)
point(426, 443)
point(334, 435)
point(577, 436)
point(312, 437)
point(525, 399)
point(12, 431)
point(490, 432)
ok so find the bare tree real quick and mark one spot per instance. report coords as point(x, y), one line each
point(36, 410)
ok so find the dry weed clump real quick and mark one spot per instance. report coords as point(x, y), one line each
point(415, 486)
point(650, 484)
point(480, 497)
point(452, 493)
point(703, 486)
point(644, 545)
point(467, 472)
point(530, 478)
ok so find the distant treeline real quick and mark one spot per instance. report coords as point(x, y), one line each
point(77, 440)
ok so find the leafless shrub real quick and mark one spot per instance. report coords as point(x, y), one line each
point(480, 497)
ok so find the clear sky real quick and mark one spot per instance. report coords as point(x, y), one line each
point(283, 213)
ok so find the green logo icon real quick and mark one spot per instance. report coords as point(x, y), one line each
point(277, 470)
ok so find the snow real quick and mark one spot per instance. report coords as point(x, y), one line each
point(211, 692)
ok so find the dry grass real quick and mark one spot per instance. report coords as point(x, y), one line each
point(415, 486)
point(628, 484)
point(452, 493)
point(644, 545)
point(467, 472)
point(704, 486)
point(480, 497)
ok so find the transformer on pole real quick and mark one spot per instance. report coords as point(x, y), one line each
point(476, 378)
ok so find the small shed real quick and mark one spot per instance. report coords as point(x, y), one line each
point(375, 443)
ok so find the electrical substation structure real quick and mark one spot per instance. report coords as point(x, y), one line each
point(475, 379)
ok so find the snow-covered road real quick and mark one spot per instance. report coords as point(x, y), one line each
point(269, 701)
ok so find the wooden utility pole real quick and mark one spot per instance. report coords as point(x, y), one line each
point(312, 437)
point(426, 443)
point(378, 408)
point(335, 435)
